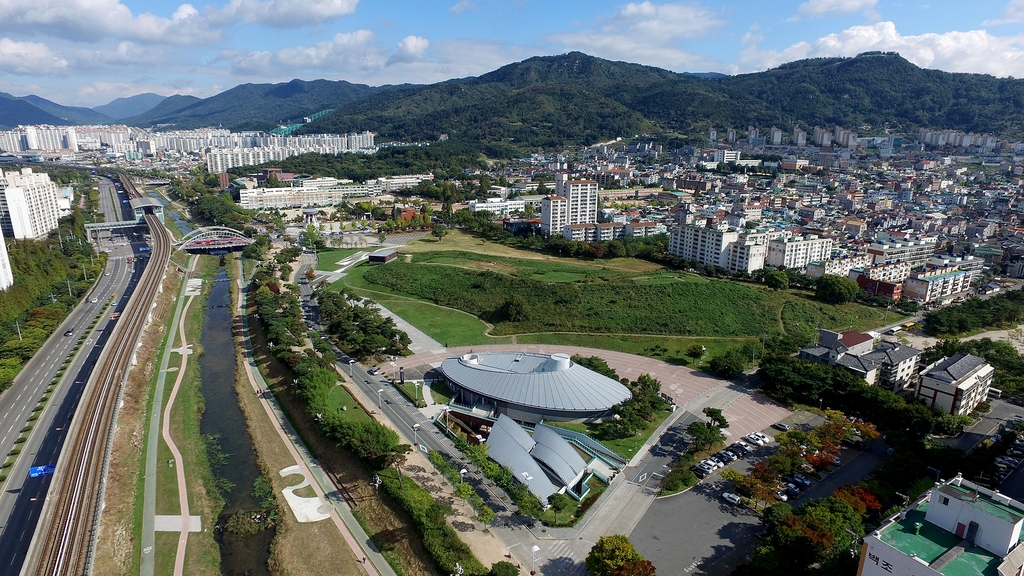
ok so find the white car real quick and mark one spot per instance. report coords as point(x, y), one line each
point(755, 439)
point(94, 300)
point(731, 498)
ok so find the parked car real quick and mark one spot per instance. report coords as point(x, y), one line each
point(755, 439)
point(837, 461)
point(742, 447)
point(726, 456)
point(731, 497)
point(717, 461)
point(781, 426)
point(702, 471)
point(781, 496)
point(802, 480)
point(764, 437)
point(791, 489)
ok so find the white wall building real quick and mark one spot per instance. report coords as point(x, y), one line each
point(798, 252)
point(28, 204)
point(6, 273)
point(497, 207)
point(956, 384)
point(554, 215)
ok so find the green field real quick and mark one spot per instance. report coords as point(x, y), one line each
point(462, 299)
point(339, 397)
point(328, 259)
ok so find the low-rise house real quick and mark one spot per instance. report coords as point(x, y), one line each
point(956, 384)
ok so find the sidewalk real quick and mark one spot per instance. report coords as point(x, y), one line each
point(341, 515)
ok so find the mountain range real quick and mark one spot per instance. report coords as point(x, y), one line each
point(553, 101)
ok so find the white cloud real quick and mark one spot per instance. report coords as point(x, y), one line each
point(283, 13)
point(974, 51)
point(410, 49)
point(1013, 13)
point(647, 33)
point(345, 52)
point(462, 6)
point(29, 58)
point(93, 20)
point(823, 7)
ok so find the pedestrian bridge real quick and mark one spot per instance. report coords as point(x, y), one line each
point(213, 238)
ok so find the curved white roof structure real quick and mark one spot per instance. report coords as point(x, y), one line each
point(537, 381)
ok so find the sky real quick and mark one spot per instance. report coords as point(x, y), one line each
point(88, 52)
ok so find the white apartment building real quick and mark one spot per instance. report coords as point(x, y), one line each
point(497, 207)
point(575, 202)
point(554, 215)
point(720, 246)
point(28, 204)
point(937, 284)
point(892, 272)
point(915, 252)
point(839, 266)
point(798, 252)
point(956, 384)
point(306, 195)
point(581, 196)
point(6, 273)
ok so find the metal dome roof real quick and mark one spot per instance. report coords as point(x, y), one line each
point(535, 380)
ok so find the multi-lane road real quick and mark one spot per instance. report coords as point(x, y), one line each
point(22, 498)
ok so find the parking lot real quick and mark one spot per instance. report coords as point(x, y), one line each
point(700, 533)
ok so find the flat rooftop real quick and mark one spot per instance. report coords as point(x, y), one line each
point(933, 542)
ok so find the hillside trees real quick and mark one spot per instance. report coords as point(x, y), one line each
point(833, 289)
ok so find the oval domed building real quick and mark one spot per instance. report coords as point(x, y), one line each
point(530, 387)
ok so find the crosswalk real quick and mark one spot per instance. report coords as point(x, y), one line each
point(557, 558)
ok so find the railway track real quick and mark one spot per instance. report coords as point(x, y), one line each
point(65, 536)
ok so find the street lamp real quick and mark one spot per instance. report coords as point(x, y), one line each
point(533, 554)
point(350, 363)
point(380, 399)
point(415, 439)
point(462, 474)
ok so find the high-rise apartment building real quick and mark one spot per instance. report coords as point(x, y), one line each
point(28, 204)
point(798, 252)
point(6, 273)
point(575, 202)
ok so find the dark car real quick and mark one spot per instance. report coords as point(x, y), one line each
point(69, 331)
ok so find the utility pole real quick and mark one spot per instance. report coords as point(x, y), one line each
point(68, 280)
point(18, 326)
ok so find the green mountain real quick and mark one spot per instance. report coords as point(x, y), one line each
point(255, 106)
point(130, 106)
point(167, 108)
point(15, 111)
point(578, 99)
point(72, 114)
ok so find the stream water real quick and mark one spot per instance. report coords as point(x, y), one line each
point(240, 555)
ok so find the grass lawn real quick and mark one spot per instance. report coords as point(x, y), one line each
point(569, 518)
point(457, 240)
point(338, 397)
point(447, 326)
point(625, 447)
point(441, 394)
point(328, 259)
point(411, 391)
point(668, 348)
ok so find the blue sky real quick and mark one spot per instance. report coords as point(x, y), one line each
point(88, 52)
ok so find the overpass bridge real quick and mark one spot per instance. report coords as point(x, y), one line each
point(213, 238)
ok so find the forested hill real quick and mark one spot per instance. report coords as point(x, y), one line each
point(576, 98)
point(254, 106)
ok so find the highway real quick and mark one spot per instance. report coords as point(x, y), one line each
point(22, 497)
point(64, 534)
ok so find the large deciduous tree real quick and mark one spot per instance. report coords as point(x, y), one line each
point(611, 553)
